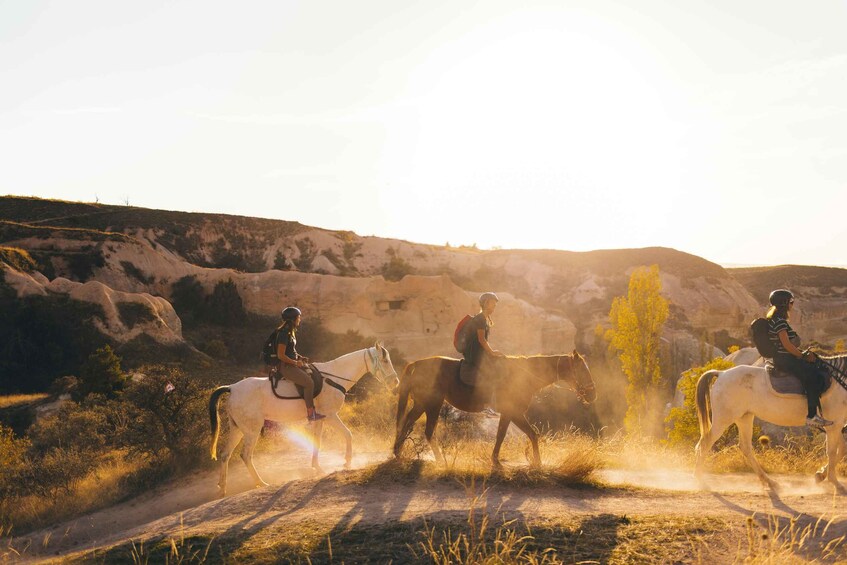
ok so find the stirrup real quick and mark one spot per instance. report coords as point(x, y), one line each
point(315, 416)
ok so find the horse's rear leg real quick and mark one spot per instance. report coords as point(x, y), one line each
point(402, 433)
point(232, 440)
point(431, 421)
point(720, 422)
point(250, 439)
point(523, 425)
point(745, 442)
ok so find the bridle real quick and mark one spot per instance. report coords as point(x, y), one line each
point(581, 390)
point(376, 361)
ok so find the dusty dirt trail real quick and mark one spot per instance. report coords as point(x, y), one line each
point(297, 495)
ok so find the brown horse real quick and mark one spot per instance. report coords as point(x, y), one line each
point(433, 380)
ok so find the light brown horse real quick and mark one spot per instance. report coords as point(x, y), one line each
point(433, 380)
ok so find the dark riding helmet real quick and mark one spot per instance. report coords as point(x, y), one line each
point(291, 313)
point(486, 296)
point(780, 297)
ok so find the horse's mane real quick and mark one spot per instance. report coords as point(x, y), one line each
point(346, 355)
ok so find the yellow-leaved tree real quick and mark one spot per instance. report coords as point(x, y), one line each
point(637, 320)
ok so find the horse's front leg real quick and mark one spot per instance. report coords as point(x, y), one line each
point(317, 434)
point(745, 442)
point(523, 425)
point(834, 452)
point(501, 435)
point(348, 438)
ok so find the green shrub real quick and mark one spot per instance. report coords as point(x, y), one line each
point(224, 305)
point(132, 271)
point(188, 298)
point(101, 373)
point(133, 313)
point(44, 337)
point(84, 428)
point(83, 262)
point(18, 259)
point(308, 252)
point(396, 267)
point(13, 452)
point(216, 348)
point(165, 415)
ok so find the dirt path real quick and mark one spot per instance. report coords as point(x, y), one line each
point(192, 506)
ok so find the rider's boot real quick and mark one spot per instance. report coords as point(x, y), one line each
point(313, 416)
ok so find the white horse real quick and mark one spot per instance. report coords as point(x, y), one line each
point(741, 393)
point(252, 402)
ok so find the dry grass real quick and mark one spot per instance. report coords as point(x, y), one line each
point(12, 400)
point(101, 489)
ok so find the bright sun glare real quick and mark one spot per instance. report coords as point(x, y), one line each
point(528, 142)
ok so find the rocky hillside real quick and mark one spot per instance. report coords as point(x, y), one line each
point(409, 294)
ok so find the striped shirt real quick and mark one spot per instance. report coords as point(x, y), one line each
point(776, 325)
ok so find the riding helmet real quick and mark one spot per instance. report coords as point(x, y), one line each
point(291, 313)
point(486, 296)
point(780, 297)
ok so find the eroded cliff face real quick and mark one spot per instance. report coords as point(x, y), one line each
point(152, 315)
point(551, 299)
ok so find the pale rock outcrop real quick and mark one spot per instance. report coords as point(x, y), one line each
point(417, 314)
point(25, 284)
point(165, 326)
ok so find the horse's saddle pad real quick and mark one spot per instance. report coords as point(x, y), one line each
point(317, 379)
point(786, 383)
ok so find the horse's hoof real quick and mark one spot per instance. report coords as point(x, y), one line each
point(819, 476)
point(348, 465)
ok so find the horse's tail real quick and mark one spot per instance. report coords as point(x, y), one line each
point(403, 394)
point(704, 401)
point(213, 416)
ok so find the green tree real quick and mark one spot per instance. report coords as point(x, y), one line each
point(225, 305)
point(101, 374)
point(637, 321)
point(166, 415)
point(681, 424)
point(188, 298)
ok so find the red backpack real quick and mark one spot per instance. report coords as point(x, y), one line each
point(460, 336)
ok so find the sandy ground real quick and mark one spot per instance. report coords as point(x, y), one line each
point(296, 494)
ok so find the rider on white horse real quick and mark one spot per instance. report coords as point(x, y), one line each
point(291, 363)
point(790, 359)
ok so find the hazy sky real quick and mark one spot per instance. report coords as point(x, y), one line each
point(718, 128)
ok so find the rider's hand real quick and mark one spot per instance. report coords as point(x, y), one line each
point(810, 356)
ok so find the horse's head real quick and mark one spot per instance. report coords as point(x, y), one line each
point(579, 377)
point(381, 367)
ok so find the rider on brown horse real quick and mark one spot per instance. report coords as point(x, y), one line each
point(475, 369)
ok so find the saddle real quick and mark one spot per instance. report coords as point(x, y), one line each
point(783, 382)
point(317, 379)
